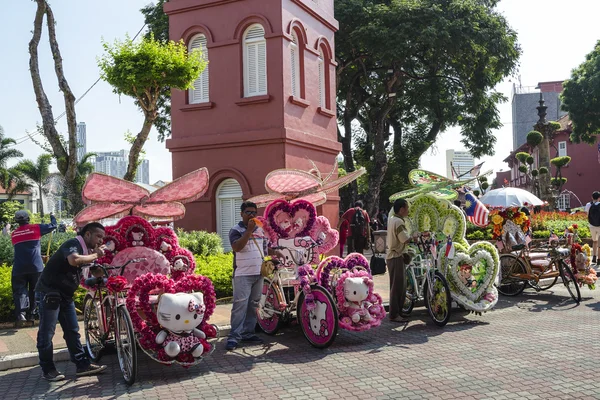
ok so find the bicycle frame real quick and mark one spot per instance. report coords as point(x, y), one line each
point(419, 280)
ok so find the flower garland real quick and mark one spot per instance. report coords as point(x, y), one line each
point(306, 276)
point(373, 303)
point(424, 213)
point(483, 282)
point(130, 224)
point(184, 257)
point(199, 283)
point(290, 208)
point(357, 260)
point(328, 237)
point(498, 218)
point(326, 266)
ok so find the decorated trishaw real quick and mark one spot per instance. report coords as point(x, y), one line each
point(443, 259)
point(339, 293)
point(143, 292)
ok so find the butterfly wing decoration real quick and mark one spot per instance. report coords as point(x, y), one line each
point(108, 197)
point(289, 184)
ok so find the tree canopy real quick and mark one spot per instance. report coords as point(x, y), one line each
point(580, 98)
point(37, 172)
point(142, 69)
point(410, 69)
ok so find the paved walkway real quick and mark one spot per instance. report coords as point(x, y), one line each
point(19, 341)
point(537, 345)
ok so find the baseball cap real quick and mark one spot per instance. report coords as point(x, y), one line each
point(21, 215)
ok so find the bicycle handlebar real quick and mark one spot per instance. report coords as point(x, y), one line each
point(93, 281)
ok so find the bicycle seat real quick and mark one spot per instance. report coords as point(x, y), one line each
point(518, 247)
point(563, 252)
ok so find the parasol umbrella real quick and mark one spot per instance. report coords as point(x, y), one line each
point(510, 197)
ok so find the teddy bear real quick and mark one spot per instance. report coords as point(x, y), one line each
point(180, 314)
point(356, 292)
point(137, 238)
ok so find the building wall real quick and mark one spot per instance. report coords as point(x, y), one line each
point(246, 138)
point(114, 163)
point(524, 111)
point(81, 140)
point(462, 161)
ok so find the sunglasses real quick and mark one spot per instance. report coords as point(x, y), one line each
point(250, 212)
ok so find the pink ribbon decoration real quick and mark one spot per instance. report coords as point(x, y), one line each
point(195, 307)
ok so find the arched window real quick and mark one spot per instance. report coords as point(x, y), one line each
point(255, 61)
point(199, 94)
point(322, 81)
point(229, 201)
point(295, 65)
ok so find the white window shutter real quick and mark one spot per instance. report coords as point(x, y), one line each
point(255, 62)
point(229, 201)
point(322, 90)
point(294, 73)
point(562, 149)
point(199, 94)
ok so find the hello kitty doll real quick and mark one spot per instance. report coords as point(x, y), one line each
point(137, 238)
point(180, 314)
point(356, 292)
point(164, 247)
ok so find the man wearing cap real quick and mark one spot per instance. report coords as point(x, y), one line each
point(27, 264)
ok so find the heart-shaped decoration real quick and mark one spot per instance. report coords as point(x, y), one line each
point(324, 234)
point(471, 274)
point(335, 263)
point(290, 219)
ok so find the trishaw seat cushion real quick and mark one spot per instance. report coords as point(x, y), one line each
point(155, 263)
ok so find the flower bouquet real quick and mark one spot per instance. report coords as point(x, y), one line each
point(500, 217)
point(580, 263)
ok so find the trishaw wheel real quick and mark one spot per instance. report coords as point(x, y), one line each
point(439, 302)
point(126, 345)
point(510, 283)
point(570, 281)
point(409, 300)
point(92, 326)
point(268, 317)
point(319, 325)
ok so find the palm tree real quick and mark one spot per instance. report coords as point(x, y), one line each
point(8, 180)
point(38, 173)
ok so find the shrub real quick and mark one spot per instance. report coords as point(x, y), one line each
point(7, 309)
point(541, 234)
point(219, 269)
point(200, 243)
point(534, 138)
point(477, 235)
point(7, 251)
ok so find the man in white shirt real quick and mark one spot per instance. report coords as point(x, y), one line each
point(249, 244)
point(593, 210)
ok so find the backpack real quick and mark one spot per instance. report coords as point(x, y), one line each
point(358, 223)
point(594, 215)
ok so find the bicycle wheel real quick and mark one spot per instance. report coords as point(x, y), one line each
point(547, 283)
point(126, 345)
point(409, 300)
point(510, 267)
point(268, 317)
point(319, 325)
point(439, 303)
point(94, 342)
point(569, 281)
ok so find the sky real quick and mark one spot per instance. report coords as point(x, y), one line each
point(554, 35)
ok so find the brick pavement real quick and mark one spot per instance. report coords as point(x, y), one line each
point(538, 345)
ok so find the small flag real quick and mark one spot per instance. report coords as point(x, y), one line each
point(472, 172)
point(476, 212)
point(449, 249)
point(500, 245)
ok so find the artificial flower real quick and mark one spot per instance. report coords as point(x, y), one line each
point(497, 219)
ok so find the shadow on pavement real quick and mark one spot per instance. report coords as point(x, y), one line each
point(546, 300)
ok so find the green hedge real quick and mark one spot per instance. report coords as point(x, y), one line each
point(219, 269)
point(7, 251)
point(6, 300)
point(200, 243)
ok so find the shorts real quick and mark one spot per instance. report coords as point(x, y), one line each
point(595, 232)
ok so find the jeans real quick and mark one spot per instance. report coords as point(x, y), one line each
point(23, 288)
point(67, 316)
point(397, 272)
point(246, 295)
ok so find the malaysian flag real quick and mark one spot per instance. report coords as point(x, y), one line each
point(476, 212)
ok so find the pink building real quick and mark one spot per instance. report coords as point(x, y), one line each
point(265, 101)
point(582, 173)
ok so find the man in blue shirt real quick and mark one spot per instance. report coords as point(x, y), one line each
point(27, 264)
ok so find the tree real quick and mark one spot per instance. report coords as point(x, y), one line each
point(64, 153)
point(9, 178)
point(8, 210)
point(580, 99)
point(142, 70)
point(37, 172)
point(408, 70)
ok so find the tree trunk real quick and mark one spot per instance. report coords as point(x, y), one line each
point(136, 147)
point(66, 164)
point(41, 202)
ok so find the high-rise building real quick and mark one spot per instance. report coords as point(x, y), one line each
point(525, 99)
point(114, 163)
point(461, 161)
point(81, 141)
